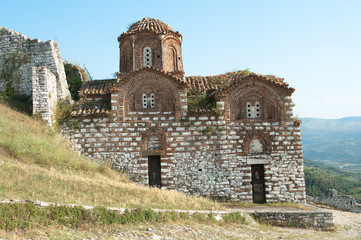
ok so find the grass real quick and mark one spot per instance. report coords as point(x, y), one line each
point(37, 164)
point(277, 204)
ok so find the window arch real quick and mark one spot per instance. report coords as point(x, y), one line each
point(147, 56)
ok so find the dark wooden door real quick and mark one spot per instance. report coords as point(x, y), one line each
point(258, 187)
point(154, 171)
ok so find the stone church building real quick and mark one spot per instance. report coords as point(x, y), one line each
point(230, 137)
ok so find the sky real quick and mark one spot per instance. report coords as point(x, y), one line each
point(314, 45)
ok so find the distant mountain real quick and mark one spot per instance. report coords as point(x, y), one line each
point(336, 142)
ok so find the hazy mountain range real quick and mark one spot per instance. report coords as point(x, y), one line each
point(335, 142)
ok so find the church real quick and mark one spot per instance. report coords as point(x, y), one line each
point(230, 137)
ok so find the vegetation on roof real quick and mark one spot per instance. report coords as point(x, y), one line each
point(200, 101)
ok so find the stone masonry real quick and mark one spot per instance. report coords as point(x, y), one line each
point(40, 68)
point(245, 147)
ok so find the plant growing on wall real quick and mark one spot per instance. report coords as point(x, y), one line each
point(10, 75)
point(10, 70)
point(197, 100)
point(75, 76)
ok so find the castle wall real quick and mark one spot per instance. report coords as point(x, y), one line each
point(203, 155)
point(44, 93)
point(29, 55)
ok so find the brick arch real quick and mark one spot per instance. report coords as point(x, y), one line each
point(263, 137)
point(154, 141)
point(171, 46)
point(235, 103)
point(151, 40)
point(167, 90)
point(126, 56)
point(172, 36)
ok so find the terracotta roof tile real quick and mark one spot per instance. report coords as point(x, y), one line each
point(95, 108)
point(150, 25)
point(223, 81)
point(202, 84)
point(97, 87)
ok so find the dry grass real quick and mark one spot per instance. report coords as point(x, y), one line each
point(37, 164)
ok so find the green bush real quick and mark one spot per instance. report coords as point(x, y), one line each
point(63, 116)
point(74, 76)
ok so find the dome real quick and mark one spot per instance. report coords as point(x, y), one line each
point(151, 25)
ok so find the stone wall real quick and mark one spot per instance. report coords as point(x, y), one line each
point(46, 86)
point(317, 220)
point(201, 155)
point(343, 202)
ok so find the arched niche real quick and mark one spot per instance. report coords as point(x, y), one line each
point(255, 103)
point(149, 97)
point(126, 56)
point(154, 142)
point(256, 143)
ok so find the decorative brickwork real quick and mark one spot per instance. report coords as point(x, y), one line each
point(208, 152)
point(163, 43)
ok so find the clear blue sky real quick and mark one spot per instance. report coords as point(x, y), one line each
point(315, 45)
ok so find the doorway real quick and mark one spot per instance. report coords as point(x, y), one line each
point(258, 186)
point(154, 171)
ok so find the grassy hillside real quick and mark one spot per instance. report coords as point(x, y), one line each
point(336, 142)
point(320, 178)
point(36, 164)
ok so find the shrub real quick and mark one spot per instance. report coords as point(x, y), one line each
point(63, 116)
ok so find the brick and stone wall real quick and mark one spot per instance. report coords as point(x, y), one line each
point(40, 68)
point(317, 220)
point(202, 154)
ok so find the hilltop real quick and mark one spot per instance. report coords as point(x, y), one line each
point(38, 164)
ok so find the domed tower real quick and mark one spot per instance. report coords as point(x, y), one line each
point(150, 42)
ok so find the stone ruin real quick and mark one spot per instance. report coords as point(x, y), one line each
point(343, 202)
point(34, 68)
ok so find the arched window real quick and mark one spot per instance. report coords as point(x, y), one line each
point(152, 100)
point(148, 101)
point(147, 56)
point(144, 99)
point(253, 110)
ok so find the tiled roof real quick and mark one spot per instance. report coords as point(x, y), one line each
point(224, 81)
point(219, 84)
point(94, 108)
point(179, 81)
point(151, 25)
point(97, 87)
